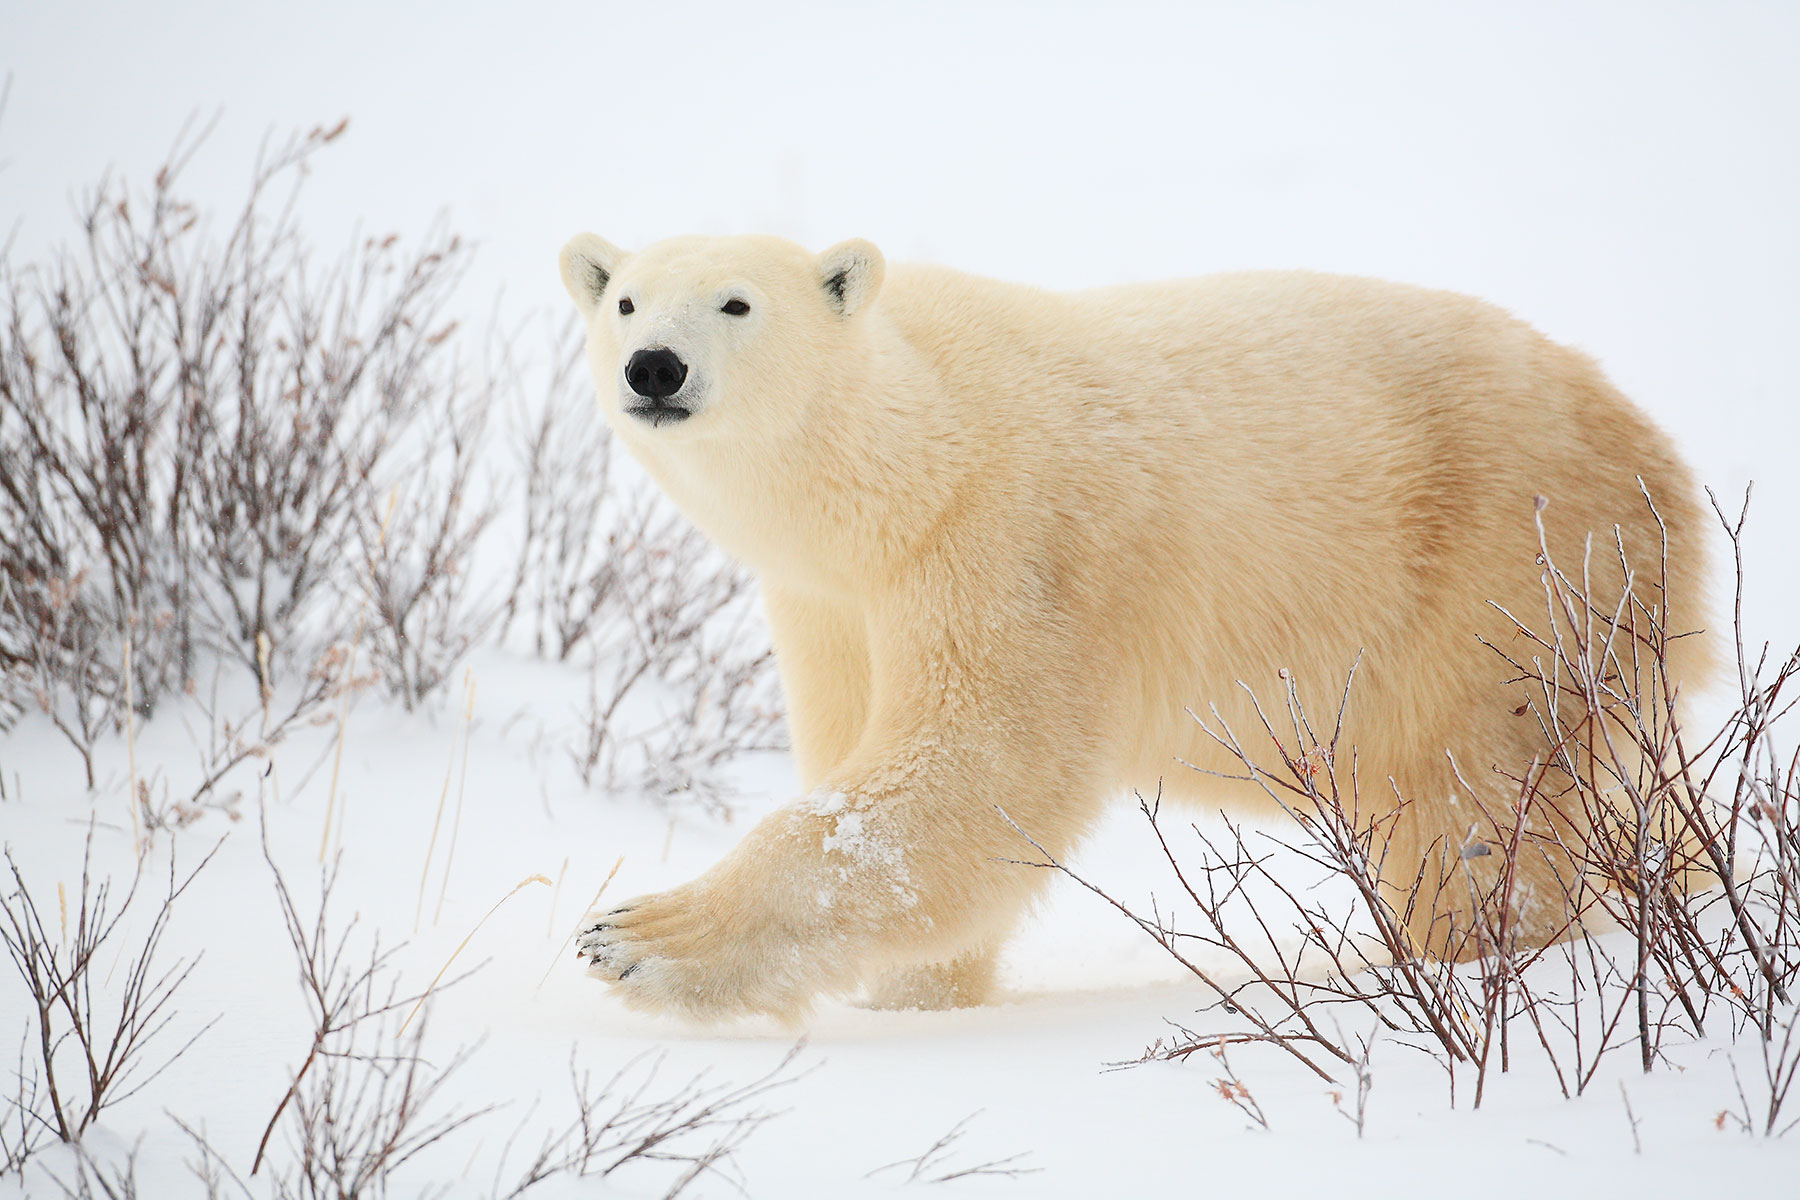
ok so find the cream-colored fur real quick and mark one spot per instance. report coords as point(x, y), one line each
point(1006, 536)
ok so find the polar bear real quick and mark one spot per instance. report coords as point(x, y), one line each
point(1006, 536)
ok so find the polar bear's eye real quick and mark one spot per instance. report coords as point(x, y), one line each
point(625, 307)
point(735, 307)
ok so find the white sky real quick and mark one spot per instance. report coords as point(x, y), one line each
point(1624, 175)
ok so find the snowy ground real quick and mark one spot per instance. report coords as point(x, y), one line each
point(1084, 990)
point(1624, 176)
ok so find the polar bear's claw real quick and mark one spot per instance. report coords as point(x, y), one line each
point(616, 945)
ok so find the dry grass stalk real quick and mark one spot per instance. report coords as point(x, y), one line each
point(437, 821)
point(337, 758)
point(569, 940)
point(467, 938)
point(461, 787)
point(556, 897)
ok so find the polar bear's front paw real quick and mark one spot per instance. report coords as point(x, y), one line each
point(683, 951)
point(610, 955)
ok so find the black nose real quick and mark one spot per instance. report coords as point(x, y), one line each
point(655, 374)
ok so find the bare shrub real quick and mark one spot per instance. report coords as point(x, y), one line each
point(1364, 1072)
point(50, 662)
point(94, 1039)
point(210, 1168)
point(937, 1164)
point(1358, 956)
point(1680, 905)
point(367, 1100)
point(1304, 955)
point(1234, 1091)
point(1778, 1058)
point(695, 1128)
point(374, 1104)
point(361, 1118)
point(224, 740)
point(567, 567)
point(687, 683)
point(192, 426)
point(196, 423)
point(1690, 845)
point(95, 1179)
point(417, 551)
point(22, 1131)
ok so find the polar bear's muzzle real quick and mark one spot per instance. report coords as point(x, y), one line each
point(655, 376)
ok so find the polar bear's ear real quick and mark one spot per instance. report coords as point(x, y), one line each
point(851, 274)
point(588, 263)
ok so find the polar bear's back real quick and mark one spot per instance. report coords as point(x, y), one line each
point(1342, 403)
point(1287, 469)
point(1295, 345)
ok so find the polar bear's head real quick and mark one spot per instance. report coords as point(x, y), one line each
point(698, 337)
